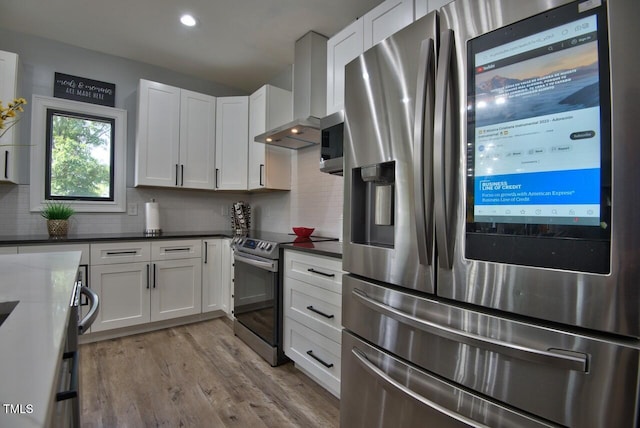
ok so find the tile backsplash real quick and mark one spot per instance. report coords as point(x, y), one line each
point(180, 210)
point(316, 197)
point(315, 200)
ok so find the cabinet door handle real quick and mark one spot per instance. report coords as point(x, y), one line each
point(312, 309)
point(6, 164)
point(176, 174)
point(261, 172)
point(217, 186)
point(182, 175)
point(154, 275)
point(148, 274)
point(121, 253)
point(206, 251)
point(327, 365)
point(328, 275)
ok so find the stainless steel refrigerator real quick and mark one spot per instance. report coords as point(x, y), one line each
point(491, 228)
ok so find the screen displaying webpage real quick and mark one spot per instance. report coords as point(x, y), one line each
point(537, 151)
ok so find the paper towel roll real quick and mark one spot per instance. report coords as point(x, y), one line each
point(152, 218)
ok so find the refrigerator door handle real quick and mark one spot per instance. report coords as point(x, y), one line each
point(556, 358)
point(443, 155)
point(373, 370)
point(422, 149)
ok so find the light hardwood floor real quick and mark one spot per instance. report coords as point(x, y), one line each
point(198, 375)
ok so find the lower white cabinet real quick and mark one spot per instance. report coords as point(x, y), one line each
point(217, 275)
point(176, 289)
point(124, 290)
point(141, 282)
point(313, 316)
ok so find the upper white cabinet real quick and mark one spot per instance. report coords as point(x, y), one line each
point(158, 133)
point(269, 166)
point(232, 138)
point(385, 19)
point(10, 151)
point(425, 6)
point(376, 25)
point(197, 140)
point(175, 142)
point(342, 48)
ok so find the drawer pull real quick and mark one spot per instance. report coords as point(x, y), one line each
point(328, 275)
point(327, 365)
point(312, 309)
point(171, 250)
point(121, 253)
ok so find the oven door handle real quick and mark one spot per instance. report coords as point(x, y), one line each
point(270, 265)
point(86, 322)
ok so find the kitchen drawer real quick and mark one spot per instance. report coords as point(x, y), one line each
point(313, 353)
point(53, 248)
point(120, 252)
point(179, 249)
point(8, 250)
point(321, 271)
point(314, 307)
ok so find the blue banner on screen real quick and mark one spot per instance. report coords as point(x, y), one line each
point(559, 197)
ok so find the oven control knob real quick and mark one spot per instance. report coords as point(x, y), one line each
point(263, 245)
point(268, 247)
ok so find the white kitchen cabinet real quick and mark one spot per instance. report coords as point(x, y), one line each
point(217, 275)
point(158, 134)
point(175, 142)
point(11, 152)
point(385, 19)
point(140, 282)
point(197, 140)
point(212, 275)
point(313, 315)
point(232, 143)
point(422, 7)
point(227, 278)
point(342, 48)
point(121, 274)
point(176, 289)
point(124, 290)
point(269, 166)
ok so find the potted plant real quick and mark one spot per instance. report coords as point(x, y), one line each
point(57, 215)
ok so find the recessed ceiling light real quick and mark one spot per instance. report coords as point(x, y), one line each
point(188, 20)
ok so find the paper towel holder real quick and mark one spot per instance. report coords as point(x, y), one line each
point(152, 219)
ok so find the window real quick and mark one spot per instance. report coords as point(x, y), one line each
point(79, 162)
point(78, 155)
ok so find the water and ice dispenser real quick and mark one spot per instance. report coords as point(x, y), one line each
point(373, 204)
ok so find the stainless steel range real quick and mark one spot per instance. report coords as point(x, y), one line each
point(258, 291)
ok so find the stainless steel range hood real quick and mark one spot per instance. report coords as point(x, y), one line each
point(309, 96)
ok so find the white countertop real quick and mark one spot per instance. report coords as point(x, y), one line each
point(32, 337)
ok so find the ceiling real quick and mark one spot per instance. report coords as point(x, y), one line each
point(240, 43)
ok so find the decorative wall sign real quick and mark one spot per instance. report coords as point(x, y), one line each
point(83, 89)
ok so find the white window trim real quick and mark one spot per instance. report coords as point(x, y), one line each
point(39, 108)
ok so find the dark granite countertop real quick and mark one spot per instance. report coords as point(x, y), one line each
point(105, 237)
point(324, 248)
